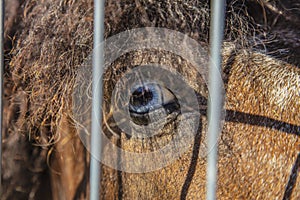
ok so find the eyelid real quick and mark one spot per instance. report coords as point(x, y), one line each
point(167, 96)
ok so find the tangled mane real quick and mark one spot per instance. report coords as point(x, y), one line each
point(55, 37)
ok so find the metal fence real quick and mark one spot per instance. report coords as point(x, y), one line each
point(216, 35)
point(97, 99)
point(214, 110)
point(214, 107)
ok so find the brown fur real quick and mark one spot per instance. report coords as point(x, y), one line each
point(260, 140)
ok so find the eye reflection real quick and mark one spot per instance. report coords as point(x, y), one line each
point(149, 98)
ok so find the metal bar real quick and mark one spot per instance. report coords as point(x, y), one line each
point(98, 62)
point(215, 103)
point(2, 10)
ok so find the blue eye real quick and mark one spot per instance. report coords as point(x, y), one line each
point(145, 98)
point(149, 97)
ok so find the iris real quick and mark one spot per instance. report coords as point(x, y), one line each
point(146, 98)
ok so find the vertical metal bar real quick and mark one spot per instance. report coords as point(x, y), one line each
point(98, 62)
point(2, 11)
point(215, 103)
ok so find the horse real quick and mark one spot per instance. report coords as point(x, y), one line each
point(45, 150)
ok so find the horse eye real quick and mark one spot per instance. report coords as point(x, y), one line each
point(150, 98)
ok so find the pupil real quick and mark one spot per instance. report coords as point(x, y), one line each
point(141, 97)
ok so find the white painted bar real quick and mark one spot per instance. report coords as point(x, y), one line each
point(98, 65)
point(215, 103)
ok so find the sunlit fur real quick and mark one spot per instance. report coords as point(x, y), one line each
point(259, 144)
